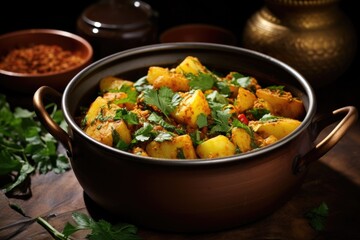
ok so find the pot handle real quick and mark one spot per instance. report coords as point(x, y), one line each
point(53, 128)
point(301, 163)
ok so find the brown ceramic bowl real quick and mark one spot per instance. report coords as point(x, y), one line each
point(191, 195)
point(26, 82)
point(197, 32)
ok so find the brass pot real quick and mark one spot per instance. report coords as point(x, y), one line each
point(313, 36)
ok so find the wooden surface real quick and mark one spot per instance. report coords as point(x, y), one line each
point(334, 179)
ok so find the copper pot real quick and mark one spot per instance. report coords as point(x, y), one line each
point(196, 195)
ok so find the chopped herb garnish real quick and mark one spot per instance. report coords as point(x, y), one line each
point(201, 81)
point(164, 99)
point(129, 117)
point(239, 79)
point(130, 92)
point(201, 120)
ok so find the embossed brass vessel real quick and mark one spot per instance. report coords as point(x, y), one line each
point(313, 36)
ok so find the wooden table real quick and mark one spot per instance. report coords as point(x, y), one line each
point(334, 179)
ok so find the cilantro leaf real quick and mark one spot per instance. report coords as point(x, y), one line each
point(154, 118)
point(118, 142)
point(144, 133)
point(239, 79)
point(129, 117)
point(101, 229)
point(164, 99)
point(163, 136)
point(317, 216)
point(26, 146)
point(130, 92)
point(201, 81)
point(201, 120)
point(221, 120)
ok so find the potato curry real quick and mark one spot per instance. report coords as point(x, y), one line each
point(190, 112)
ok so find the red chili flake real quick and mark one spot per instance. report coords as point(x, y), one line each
point(242, 118)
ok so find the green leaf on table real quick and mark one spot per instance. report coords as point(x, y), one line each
point(101, 229)
point(317, 217)
point(26, 146)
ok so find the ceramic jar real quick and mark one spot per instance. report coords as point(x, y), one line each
point(313, 36)
point(115, 25)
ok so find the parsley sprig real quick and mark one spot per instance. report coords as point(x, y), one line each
point(25, 146)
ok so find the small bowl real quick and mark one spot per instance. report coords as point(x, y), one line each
point(198, 33)
point(16, 82)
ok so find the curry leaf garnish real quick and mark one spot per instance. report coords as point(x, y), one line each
point(164, 99)
point(25, 145)
point(317, 216)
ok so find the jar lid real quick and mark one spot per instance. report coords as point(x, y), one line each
point(124, 15)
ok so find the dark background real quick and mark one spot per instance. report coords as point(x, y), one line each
point(226, 13)
point(63, 14)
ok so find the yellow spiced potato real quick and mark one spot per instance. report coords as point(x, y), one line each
point(190, 108)
point(104, 132)
point(190, 65)
point(245, 100)
point(178, 147)
point(163, 77)
point(189, 112)
point(241, 138)
point(110, 83)
point(219, 146)
point(279, 128)
point(282, 103)
point(95, 110)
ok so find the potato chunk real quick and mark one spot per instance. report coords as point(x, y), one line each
point(95, 110)
point(109, 83)
point(241, 138)
point(103, 131)
point(191, 65)
point(245, 100)
point(282, 104)
point(163, 77)
point(219, 146)
point(178, 147)
point(279, 128)
point(191, 107)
